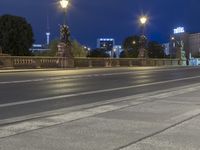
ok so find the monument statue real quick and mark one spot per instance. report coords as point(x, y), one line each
point(64, 47)
point(180, 52)
point(65, 34)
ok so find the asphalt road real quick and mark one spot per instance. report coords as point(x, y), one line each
point(25, 93)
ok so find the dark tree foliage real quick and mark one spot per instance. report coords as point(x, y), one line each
point(131, 47)
point(16, 35)
point(155, 50)
point(98, 53)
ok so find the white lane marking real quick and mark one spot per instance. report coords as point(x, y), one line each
point(91, 92)
point(21, 127)
point(88, 76)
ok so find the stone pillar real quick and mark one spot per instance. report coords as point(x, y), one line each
point(142, 50)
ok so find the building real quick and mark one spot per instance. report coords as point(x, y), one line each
point(194, 43)
point(117, 49)
point(188, 42)
point(38, 48)
point(106, 43)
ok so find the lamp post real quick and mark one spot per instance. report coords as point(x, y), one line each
point(143, 21)
point(142, 52)
point(64, 47)
point(64, 4)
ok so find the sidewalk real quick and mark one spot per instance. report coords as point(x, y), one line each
point(160, 122)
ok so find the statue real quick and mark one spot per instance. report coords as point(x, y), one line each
point(65, 34)
point(180, 52)
point(65, 48)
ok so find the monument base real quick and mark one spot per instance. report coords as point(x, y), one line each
point(142, 53)
point(66, 59)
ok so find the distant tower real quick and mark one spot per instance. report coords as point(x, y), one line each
point(48, 31)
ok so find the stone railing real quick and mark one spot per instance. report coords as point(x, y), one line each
point(124, 62)
point(59, 62)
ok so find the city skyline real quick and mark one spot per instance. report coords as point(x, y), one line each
point(89, 21)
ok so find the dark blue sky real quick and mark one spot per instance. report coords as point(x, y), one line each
point(91, 19)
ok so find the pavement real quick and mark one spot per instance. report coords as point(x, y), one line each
point(114, 109)
point(167, 121)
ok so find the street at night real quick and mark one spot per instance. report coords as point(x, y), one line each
point(99, 75)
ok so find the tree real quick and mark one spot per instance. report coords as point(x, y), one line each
point(155, 50)
point(16, 35)
point(53, 46)
point(99, 52)
point(131, 47)
point(78, 50)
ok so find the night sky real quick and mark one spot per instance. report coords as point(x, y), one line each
point(92, 19)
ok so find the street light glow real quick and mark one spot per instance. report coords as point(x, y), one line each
point(143, 20)
point(64, 3)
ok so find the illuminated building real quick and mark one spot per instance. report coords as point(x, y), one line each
point(190, 43)
point(106, 43)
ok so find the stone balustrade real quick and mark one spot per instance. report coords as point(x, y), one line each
point(59, 62)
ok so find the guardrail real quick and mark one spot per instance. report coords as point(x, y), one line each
point(60, 62)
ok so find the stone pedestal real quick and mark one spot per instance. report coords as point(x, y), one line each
point(64, 53)
point(64, 50)
point(142, 50)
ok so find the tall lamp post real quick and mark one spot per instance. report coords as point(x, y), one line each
point(64, 4)
point(142, 52)
point(64, 47)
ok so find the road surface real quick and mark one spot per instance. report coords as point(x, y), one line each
point(25, 93)
point(95, 109)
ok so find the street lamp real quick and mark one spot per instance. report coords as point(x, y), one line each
point(64, 47)
point(142, 52)
point(143, 22)
point(64, 4)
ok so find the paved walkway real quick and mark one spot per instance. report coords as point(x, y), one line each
point(168, 121)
